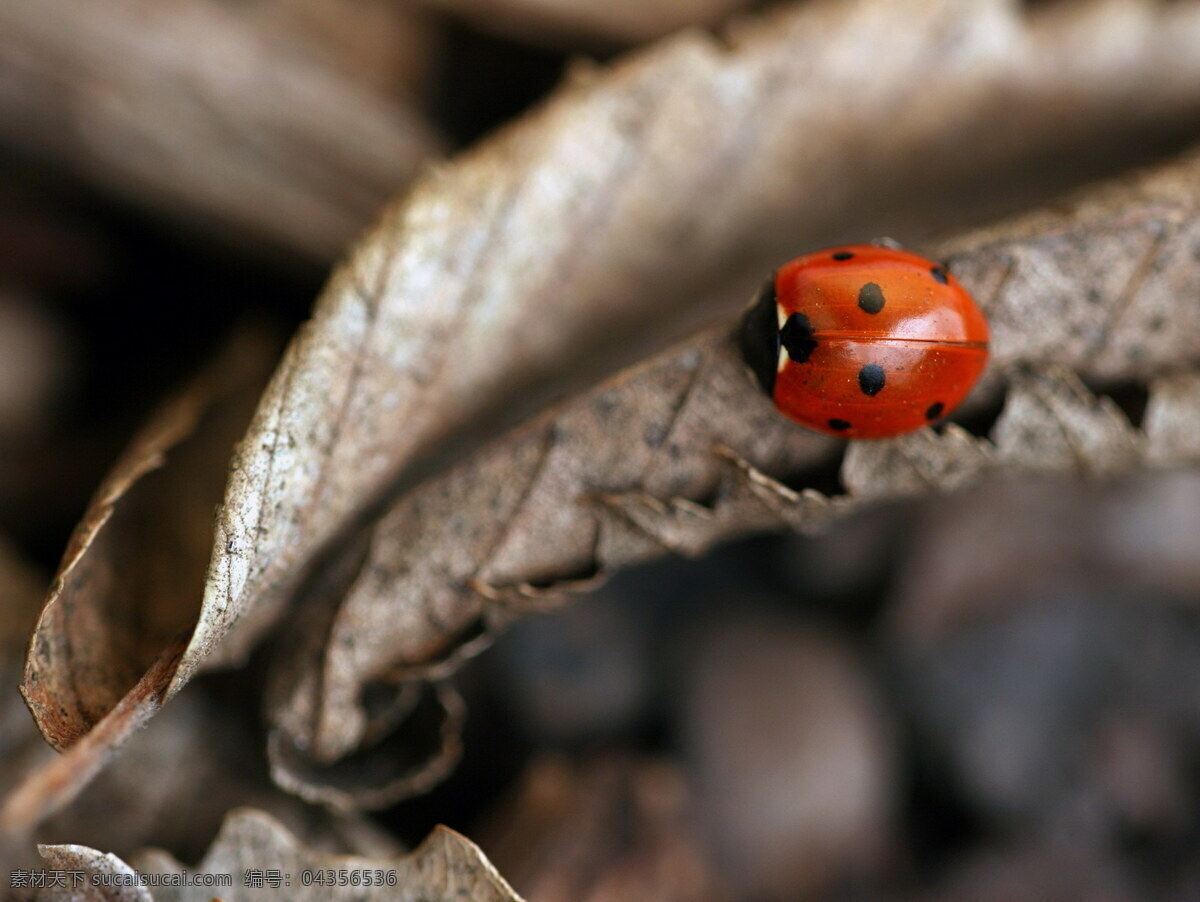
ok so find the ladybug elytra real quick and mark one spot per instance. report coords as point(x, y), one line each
point(864, 341)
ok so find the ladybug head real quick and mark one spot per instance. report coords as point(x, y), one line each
point(759, 337)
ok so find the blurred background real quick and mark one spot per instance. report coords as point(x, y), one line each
point(990, 696)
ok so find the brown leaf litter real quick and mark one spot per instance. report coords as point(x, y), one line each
point(245, 120)
point(445, 866)
point(122, 606)
point(508, 276)
point(683, 451)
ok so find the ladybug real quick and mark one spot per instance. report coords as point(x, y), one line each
point(864, 341)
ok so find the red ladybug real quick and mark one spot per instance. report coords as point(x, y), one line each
point(864, 341)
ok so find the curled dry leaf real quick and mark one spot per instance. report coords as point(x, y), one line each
point(445, 866)
point(226, 116)
point(494, 284)
point(176, 780)
point(124, 602)
point(512, 274)
point(625, 21)
point(684, 451)
point(415, 743)
point(564, 498)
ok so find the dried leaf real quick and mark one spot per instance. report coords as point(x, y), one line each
point(50, 787)
point(396, 762)
point(512, 274)
point(1171, 417)
point(496, 281)
point(100, 870)
point(683, 451)
point(124, 602)
point(915, 464)
point(1052, 422)
point(175, 781)
point(545, 507)
point(445, 866)
point(220, 115)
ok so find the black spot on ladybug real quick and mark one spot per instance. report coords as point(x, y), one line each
point(843, 255)
point(759, 336)
point(870, 298)
point(797, 337)
point(871, 379)
point(839, 425)
point(934, 411)
point(939, 273)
